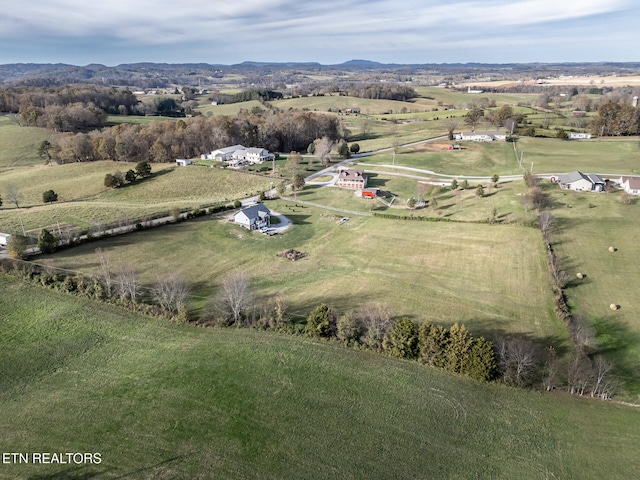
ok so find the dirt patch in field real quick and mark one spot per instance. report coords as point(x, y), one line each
point(292, 254)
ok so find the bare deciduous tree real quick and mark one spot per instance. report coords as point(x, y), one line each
point(376, 319)
point(550, 371)
point(547, 222)
point(13, 194)
point(236, 296)
point(518, 360)
point(127, 285)
point(104, 271)
point(171, 293)
point(324, 146)
point(578, 374)
point(603, 384)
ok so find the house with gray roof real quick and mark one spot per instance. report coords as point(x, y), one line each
point(581, 182)
point(254, 217)
point(480, 136)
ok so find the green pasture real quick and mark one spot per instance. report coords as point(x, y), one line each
point(492, 278)
point(477, 158)
point(230, 109)
point(590, 156)
point(83, 199)
point(19, 145)
point(340, 102)
point(137, 119)
point(451, 97)
point(166, 401)
point(588, 224)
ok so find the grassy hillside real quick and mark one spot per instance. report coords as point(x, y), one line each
point(491, 278)
point(83, 199)
point(166, 401)
point(588, 224)
point(19, 145)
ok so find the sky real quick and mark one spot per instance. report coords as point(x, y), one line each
point(112, 32)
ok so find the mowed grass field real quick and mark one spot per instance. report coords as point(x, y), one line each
point(492, 278)
point(549, 156)
point(163, 401)
point(477, 158)
point(588, 224)
point(83, 199)
point(19, 144)
point(590, 156)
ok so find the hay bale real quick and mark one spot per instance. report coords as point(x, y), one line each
point(612, 249)
point(613, 306)
point(579, 275)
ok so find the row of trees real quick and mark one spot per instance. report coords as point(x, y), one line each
point(453, 349)
point(191, 137)
point(109, 100)
point(117, 179)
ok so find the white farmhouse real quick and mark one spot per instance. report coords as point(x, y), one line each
point(579, 136)
point(253, 218)
point(480, 136)
point(239, 155)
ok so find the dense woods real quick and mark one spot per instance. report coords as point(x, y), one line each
point(191, 137)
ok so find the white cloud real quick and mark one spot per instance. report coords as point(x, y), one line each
point(271, 28)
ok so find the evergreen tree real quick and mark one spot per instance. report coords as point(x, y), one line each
point(433, 344)
point(47, 243)
point(49, 196)
point(454, 184)
point(460, 342)
point(480, 361)
point(402, 339)
point(321, 322)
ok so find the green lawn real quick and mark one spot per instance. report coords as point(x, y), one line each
point(588, 224)
point(492, 278)
point(19, 144)
point(158, 400)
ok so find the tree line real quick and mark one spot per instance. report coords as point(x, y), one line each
point(190, 137)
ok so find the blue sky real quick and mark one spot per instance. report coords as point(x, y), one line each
point(326, 31)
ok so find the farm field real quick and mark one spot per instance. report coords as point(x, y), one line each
point(452, 97)
point(83, 197)
point(549, 156)
point(588, 224)
point(592, 156)
point(477, 158)
point(454, 205)
point(19, 144)
point(159, 400)
point(490, 278)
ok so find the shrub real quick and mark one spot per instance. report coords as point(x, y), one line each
point(49, 196)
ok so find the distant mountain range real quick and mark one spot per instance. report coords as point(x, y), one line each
point(150, 75)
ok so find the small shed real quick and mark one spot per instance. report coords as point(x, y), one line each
point(183, 162)
point(367, 192)
point(4, 239)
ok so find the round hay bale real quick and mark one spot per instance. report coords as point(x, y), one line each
point(613, 306)
point(612, 249)
point(579, 275)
